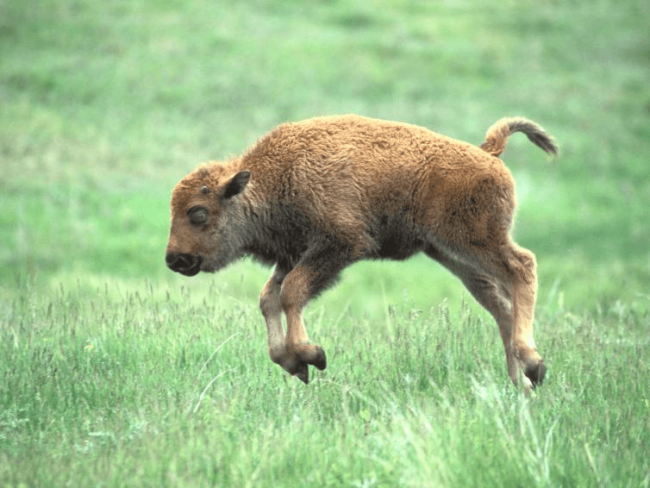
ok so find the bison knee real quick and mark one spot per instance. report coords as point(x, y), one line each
point(525, 265)
point(293, 296)
point(269, 304)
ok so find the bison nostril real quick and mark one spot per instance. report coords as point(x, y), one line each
point(186, 264)
point(176, 261)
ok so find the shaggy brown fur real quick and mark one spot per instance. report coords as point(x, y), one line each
point(315, 196)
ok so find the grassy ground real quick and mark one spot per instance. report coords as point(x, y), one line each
point(115, 372)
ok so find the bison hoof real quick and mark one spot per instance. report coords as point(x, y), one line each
point(297, 368)
point(301, 372)
point(314, 355)
point(296, 362)
point(535, 373)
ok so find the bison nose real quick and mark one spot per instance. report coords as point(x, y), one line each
point(187, 264)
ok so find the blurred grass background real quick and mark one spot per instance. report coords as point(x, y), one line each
point(106, 106)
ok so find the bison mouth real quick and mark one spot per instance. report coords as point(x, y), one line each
point(185, 264)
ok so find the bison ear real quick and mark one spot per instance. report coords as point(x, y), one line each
point(237, 184)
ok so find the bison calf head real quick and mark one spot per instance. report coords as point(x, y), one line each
point(206, 221)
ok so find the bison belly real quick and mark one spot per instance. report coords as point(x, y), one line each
point(394, 237)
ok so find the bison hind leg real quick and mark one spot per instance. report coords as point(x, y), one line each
point(505, 284)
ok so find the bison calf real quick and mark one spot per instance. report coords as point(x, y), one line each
point(313, 197)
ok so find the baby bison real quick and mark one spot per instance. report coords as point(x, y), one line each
point(315, 196)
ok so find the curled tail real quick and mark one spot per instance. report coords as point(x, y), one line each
point(497, 135)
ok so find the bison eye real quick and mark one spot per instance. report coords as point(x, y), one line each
point(198, 215)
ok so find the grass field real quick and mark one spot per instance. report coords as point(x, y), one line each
point(116, 372)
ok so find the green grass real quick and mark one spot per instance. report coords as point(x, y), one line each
point(150, 385)
point(115, 372)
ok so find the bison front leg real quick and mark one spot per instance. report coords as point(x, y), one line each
point(315, 271)
point(289, 291)
point(299, 353)
point(272, 311)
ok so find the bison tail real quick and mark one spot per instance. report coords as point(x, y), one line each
point(497, 135)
